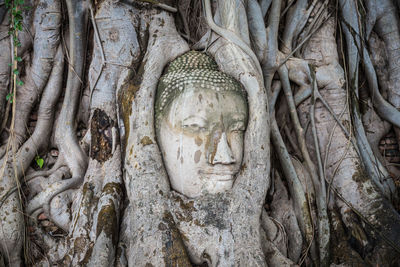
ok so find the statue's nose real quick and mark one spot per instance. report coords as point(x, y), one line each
point(223, 153)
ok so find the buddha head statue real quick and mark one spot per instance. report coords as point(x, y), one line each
point(200, 115)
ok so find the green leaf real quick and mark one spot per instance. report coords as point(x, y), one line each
point(19, 59)
point(9, 97)
point(20, 83)
point(17, 43)
point(16, 71)
point(39, 161)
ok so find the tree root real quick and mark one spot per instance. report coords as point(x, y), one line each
point(47, 21)
point(295, 187)
point(230, 36)
point(319, 185)
point(66, 131)
point(22, 159)
point(59, 163)
point(43, 199)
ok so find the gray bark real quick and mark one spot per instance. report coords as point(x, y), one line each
point(322, 194)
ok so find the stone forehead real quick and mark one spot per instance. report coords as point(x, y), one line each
point(197, 69)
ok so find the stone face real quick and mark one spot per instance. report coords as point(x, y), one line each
point(200, 124)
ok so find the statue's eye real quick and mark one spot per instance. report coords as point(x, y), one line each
point(194, 124)
point(194, 127)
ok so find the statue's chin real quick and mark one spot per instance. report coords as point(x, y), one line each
point(219, 183)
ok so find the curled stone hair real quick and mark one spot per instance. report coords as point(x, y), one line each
point(192, 68)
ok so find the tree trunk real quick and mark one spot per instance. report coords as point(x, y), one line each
point(84, 178)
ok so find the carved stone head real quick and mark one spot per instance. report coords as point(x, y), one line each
point(201, 115)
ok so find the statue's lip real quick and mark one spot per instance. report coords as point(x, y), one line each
point(220, 173)
point(227, 179)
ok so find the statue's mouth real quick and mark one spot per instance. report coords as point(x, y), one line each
point(219, 172)
point(220, 176)
point(226, 179)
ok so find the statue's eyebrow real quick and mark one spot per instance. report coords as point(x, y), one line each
point(194, 117)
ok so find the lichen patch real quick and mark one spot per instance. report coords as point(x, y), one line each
point(146, 141)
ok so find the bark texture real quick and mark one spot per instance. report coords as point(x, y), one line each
point(82, 178)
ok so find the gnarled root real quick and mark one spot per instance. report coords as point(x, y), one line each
point(47, 22)
point(16, 165)
point(355, 190)
point(66, 131)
